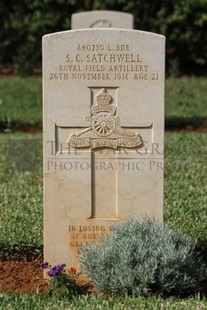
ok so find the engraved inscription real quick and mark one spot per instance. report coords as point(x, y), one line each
point(105, 129)
point(81, 233)
point(104, 62)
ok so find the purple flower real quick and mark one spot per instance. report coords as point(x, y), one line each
point(45, 265)
point(55, 270)
point(52, 272)
point(61, 266)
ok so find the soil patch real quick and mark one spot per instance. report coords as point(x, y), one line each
point(22, 277)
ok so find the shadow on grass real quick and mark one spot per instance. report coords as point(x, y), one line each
point(201, 249)
point(18, 252)
point(188, 123)
point(17, 126)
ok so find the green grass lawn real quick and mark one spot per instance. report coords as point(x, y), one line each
point(21, 206)
point(185, 203)
point(185, 102)
point(95, 302)
point(21, 193)
point(20, 101)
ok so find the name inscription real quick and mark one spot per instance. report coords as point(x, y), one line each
point(103, 62)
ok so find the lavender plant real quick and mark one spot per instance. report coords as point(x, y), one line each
point(63, 283)
point(142, 256)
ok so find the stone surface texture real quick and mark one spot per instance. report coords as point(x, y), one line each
point(102, 19)
point(103, 92)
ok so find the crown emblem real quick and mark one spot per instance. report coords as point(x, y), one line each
point(103, 100)
point(103, 97)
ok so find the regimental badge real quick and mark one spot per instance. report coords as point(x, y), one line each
point(105, 130)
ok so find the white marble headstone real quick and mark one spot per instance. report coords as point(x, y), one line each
point(103, 134)
point(102, 19)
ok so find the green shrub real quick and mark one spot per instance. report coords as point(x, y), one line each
point(142, 256)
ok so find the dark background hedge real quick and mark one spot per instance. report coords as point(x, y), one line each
point(183, 22)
